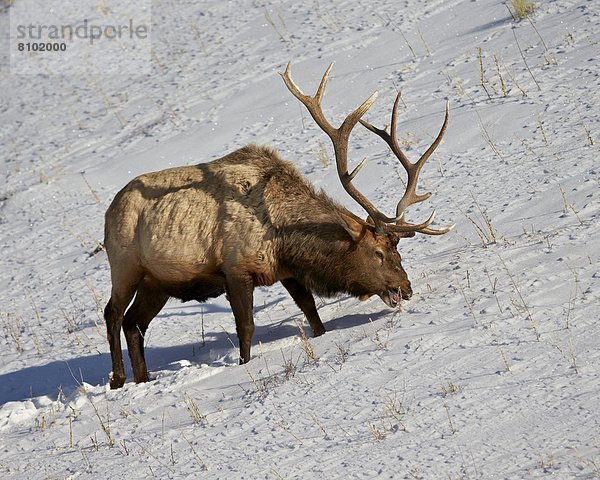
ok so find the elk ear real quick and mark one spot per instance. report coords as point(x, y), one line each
point(355, 229)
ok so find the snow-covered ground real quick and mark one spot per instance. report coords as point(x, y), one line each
point(492, 369)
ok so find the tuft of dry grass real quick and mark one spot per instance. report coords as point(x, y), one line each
point(104, 422)
point(309, 352)
point(343, 351)
point(569, 206)
point(588, 134)
point(450, 389)
point(486, 232)
point(521, 8)
point(379, 433)
point(194, 411)
point(13, 329)
point(523, 305)
point(452, 429)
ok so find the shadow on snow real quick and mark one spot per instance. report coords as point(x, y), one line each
point(68, 375)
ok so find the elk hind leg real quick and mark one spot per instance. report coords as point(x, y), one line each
point(123, 291)
point(149, 300)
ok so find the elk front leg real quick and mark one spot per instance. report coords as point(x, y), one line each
point(240, 290)
point(304, 299)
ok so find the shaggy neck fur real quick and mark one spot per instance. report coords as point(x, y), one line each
point(318, 257)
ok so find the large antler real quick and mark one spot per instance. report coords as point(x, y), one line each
point(410, 196)
point(339, 137)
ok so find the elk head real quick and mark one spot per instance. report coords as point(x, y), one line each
point(376, 239)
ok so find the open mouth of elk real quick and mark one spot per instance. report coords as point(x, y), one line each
point(393, 297)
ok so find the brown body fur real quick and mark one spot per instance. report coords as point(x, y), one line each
point(244, 220)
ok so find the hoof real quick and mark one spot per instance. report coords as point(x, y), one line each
point(319, 332)
point(142, 379)
point(116, 381)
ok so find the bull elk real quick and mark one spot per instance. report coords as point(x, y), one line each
point(251, 219)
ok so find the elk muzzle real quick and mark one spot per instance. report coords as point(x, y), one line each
point(393, 297)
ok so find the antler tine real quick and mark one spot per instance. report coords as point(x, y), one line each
point(438, 139)
point(410, 196)
point(323, 84)
point(441, 231)
point(404, 227)
point(390, 138)
point(339, 137)
point(313, 104)
point(413, 170)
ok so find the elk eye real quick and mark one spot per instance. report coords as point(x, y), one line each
point(379, 255)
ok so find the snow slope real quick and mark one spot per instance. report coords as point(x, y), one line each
point(492, 369)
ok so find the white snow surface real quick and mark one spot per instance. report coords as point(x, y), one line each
point(491, 370)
